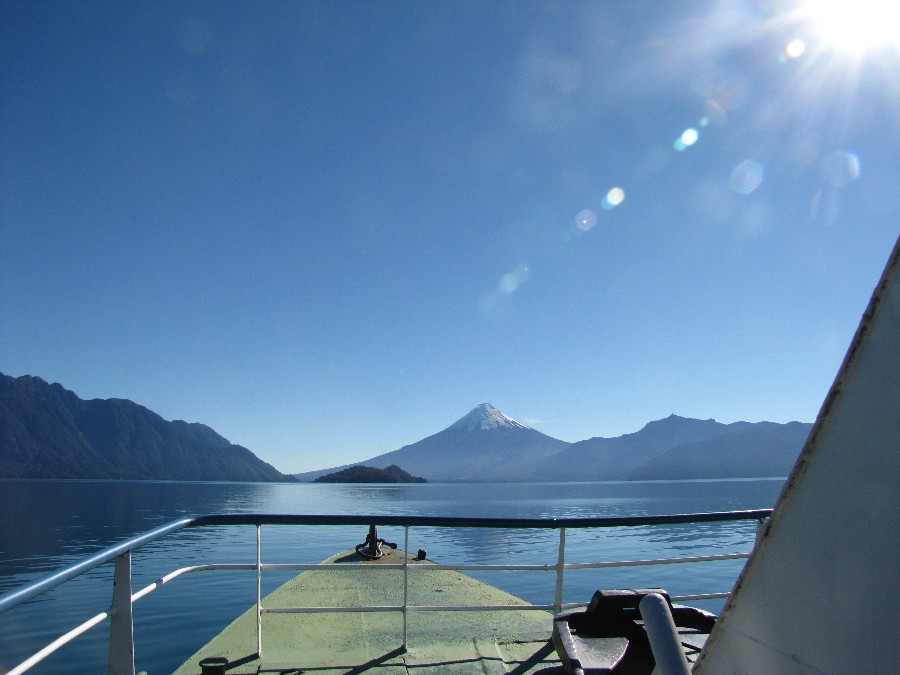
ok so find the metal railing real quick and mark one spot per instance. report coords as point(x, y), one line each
point(121, 640)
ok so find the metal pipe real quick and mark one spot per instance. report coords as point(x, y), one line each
point(121, 625)
point(760, 530)
point(502, 568)
point(560, 569)
point(62, 640)
point(258, 591)
point(502, 523)
point(700, 596)
point(405, 582)
point(663, 636)
point(657, 561)
point(18, 596)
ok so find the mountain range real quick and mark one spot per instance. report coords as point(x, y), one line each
point(487, 445)
point(47, 431)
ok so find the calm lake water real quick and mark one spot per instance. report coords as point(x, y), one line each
point(47, 524)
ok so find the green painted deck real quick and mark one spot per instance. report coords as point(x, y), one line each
point(360, 642)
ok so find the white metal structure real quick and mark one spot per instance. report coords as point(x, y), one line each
point(819, 593)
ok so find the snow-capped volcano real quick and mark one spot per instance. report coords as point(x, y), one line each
point(485, 417)
point(484, 445)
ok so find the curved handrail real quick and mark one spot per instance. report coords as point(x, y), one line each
point(121, 655)
point(444, 521)
point(24, 593)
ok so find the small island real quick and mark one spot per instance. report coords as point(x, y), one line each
point(370, 474)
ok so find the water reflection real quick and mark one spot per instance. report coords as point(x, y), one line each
point(45, 524)
point(53, 521)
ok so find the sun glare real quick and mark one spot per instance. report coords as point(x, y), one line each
point(855, 25)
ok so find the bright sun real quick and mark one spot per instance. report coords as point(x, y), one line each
point(855, 25)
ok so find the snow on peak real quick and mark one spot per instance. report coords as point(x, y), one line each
point(486, 417)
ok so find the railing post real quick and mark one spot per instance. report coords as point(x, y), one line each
point(405, 580)
point(760, 529)
point(560, 569)
point(121, 629)
point(258, 592)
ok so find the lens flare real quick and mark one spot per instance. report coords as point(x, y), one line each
point(509, 283)
point(714, 113)
point(855, 26)
point(825, 207)
point(840, 168)
point(586, 220)
point(613, 198)
point(747, 176)
point(686, 140)
point(795, 49)
point(655, 160)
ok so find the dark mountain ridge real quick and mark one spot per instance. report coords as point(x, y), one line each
point(370, 474)
point(748, 452)
point(47, 431)
point(615, 458)
point(485, 445)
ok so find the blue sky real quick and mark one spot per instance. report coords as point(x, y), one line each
point(328, 230)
